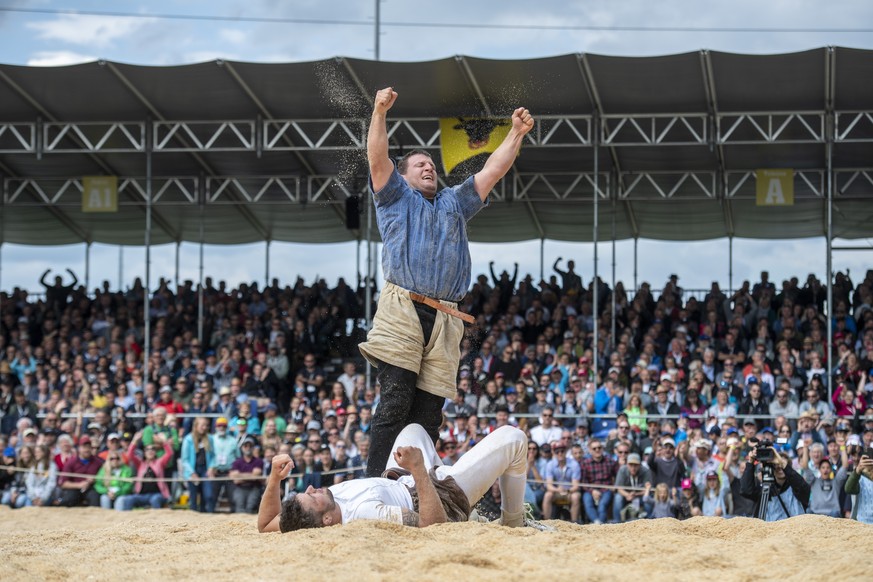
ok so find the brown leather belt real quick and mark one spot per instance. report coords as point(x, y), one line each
point(430, 302)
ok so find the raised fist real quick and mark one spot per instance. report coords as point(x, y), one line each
point(385, 98)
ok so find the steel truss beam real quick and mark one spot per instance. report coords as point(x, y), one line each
point(646, 130)
point(253, 135)
point(854, 183)
point(764, 127)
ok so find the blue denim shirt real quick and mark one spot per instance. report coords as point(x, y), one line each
point(425, 246)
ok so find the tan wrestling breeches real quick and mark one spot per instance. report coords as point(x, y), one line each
point(397, 338)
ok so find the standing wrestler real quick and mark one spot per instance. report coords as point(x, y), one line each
point(415, 340)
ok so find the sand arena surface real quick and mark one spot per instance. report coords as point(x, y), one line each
point(96, 544)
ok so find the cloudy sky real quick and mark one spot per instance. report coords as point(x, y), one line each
point(41, 33)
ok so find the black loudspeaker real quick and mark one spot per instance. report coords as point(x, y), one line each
point(353, 213)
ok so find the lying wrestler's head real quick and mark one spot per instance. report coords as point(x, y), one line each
point(310, 509)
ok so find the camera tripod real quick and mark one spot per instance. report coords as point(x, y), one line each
point(767, 481)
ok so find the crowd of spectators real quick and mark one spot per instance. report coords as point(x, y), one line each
point(657, 420)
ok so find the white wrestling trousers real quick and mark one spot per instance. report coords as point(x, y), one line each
point(500, 455)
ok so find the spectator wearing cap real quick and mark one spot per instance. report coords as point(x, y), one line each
point(75, 491)
point(631, 482)
point(714, 495)
point(755, 404)
point(666, 467)
point(562, 476)
point(146, 492)
point(244, 472)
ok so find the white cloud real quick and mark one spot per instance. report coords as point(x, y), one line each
point(94, 31)
point(232, 35)
point(58, 59)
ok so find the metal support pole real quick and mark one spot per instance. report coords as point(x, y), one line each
point(368, 293)
point(596, 356)
point(87, 266)
point(147, 339)
point(542, 258)
point(829, 350)
point(636, 243)
point(202, 197)
point(120, 267)
point(730, 264)
point(178, 248)
point(378, 27)
point(267, 268)
point(612, 295)
point(358, 259)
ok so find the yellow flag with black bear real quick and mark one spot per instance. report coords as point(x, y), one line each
point(464, 139)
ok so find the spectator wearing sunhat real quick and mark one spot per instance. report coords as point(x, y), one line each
point(702, 462)
point(226, 405)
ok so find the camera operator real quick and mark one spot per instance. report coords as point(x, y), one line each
point(789, 494)
point(860, 484)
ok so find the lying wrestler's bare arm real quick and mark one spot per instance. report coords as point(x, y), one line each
point(271, 500)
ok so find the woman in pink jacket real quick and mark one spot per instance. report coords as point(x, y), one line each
point(147, 493)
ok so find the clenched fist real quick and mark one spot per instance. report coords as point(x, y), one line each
point(385, 98)
point(522, 120)
point(409, 458)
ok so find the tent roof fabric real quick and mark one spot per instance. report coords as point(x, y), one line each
point(669, 144)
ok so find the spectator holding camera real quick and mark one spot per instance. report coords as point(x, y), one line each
point(860, 484)
point(789, 495)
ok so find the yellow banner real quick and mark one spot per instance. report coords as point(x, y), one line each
point(775, 187)
point(463, 138)
point(100, 194)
